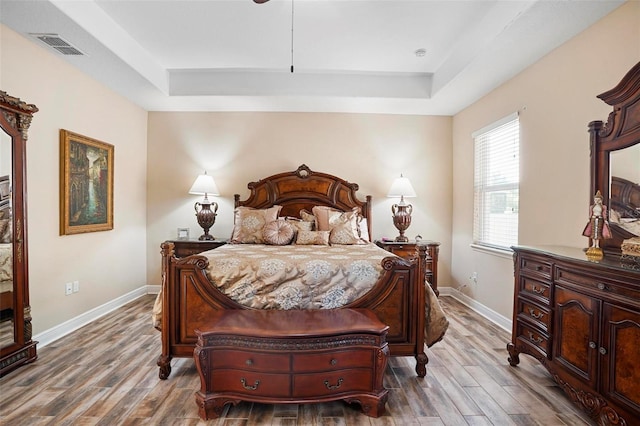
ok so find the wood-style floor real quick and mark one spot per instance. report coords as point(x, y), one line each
point(105, 374)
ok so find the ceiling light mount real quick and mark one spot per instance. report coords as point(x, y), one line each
point(420, 52)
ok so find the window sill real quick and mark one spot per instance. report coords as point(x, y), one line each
point(505, 253)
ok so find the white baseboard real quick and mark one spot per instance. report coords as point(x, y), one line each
point(61, 330)
point(499, 320)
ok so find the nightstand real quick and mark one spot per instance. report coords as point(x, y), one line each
point(409, 251)
point(184, 248)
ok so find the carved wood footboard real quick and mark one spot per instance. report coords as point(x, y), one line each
point(189, 299)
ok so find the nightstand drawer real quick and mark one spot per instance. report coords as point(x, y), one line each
point(184, 248)
point(405, 251)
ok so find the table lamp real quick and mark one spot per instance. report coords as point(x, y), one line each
point(205, 210)
point(401, 187)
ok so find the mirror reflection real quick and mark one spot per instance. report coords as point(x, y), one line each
point(6, 246)
point(624, 204)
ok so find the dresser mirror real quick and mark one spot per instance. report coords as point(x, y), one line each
point(16, 345)
point(615, 160)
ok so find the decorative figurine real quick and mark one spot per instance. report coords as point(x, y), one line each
point(598, 227)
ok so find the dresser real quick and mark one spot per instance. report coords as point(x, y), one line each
point(409, 250)
point(296, 356)
point(581, 320)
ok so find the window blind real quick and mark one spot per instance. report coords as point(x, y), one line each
point(497, 183)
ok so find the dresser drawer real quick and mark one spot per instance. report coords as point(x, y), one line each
point(535, 289)
point(535, 266)
point(334, 382)
point(532, 337)
point(249, 360)
point(251, 383)
point(535, 314)
point(600, 283)
point(332, 360)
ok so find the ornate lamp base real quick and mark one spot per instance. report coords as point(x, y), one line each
point(206, 218)
point(402, 219)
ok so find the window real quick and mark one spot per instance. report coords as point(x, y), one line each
point(497, 184)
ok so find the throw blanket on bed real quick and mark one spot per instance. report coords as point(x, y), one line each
point(263, 276)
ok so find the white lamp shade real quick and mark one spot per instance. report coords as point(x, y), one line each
point(204, 184)
point(401, 187)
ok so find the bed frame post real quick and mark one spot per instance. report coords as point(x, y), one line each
point(421, 356)
point(164, 360)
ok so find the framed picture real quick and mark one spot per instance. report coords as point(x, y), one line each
point(183, 233)
point(86, 184)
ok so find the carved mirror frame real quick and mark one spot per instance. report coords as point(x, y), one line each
point(622, 130)
point(15, 119)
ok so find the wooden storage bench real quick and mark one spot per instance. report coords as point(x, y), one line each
point(274, 356)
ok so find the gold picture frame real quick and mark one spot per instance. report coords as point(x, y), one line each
point(86, 184)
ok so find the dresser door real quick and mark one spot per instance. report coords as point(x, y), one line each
point(620, 353)
point(576, 341)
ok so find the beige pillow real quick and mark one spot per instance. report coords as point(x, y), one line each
point(327, 218)
point(310, 218)
point(249, 224)
point(300, 225)
point(278, 233)
point(313, 238)
point(342, 234)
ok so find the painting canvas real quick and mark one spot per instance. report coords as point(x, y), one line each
point(86, 184)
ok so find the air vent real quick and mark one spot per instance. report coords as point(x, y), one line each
point(58, 43)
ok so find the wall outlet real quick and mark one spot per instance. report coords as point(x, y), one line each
point(474, 278)
point(76, 286)
point(68, 289)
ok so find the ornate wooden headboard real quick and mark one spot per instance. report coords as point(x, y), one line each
point(304, 189)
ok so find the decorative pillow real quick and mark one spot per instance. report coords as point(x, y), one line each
point(327, 218)
point(313, 238)
point(278, 233)
point(363, 228)
point(249, 224)
point(300, 225)
point(309, 217)
point(343, 234)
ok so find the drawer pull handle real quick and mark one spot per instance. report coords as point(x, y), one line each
point(532, 312)
point(249, 361)
point(534, 339)
point(334, 361)
point(537, 290)
point(249, 387)
point(592, 345)
point(602, 350)
point(602, 286)
point(538, 268)
point(333, 387)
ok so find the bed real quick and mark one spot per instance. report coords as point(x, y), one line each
point(192, 292)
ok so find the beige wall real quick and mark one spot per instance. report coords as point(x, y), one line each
point(70, 100)
point(556, 98)
point(237, 148)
